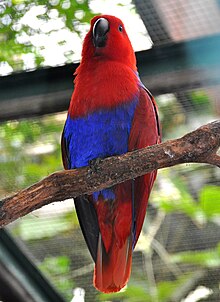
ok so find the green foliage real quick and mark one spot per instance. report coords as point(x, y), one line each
point(57, 269)
point(200, 101)
point(208, 258)
point(131, 293)
point(137, 293)
point(56, 265)
point(175, 197)
point(29, 150)
point(167, 288)
point(31, 228)
point(209, 201)
point(172, 115)
point(16, 32)
point(182, 201)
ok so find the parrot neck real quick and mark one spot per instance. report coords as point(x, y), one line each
point(102, 85)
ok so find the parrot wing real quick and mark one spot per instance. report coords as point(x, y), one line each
point(145, 132)
point(64, 152)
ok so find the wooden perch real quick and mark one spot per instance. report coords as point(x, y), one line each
point(199, 146)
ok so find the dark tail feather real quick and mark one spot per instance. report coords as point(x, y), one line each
point(89, 223)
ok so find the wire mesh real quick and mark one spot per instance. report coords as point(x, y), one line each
point(177, 208)
point(178, 250)
point(180, 20)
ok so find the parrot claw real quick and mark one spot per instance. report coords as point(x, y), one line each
point(94, 164)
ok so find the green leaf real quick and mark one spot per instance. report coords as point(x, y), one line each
point(15, 34)
point(51, 227)
point(167, 288)
point(130, 294)
point(201, 102)
point(137, 293)
point(57, 269)
point(209, 199)
point(176, 198)
point(56, 265)
point(208, 258)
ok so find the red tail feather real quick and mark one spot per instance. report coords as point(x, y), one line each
point(114, 252)
point(112, 269)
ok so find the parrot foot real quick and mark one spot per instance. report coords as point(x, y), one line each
point(94, 164)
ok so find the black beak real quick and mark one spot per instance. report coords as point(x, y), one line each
point(100, 29)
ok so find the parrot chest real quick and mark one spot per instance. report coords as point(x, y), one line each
point(98, 135)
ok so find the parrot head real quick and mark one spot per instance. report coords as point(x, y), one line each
point(107, 40)
point(107, 74)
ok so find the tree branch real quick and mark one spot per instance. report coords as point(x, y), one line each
point(199, 146)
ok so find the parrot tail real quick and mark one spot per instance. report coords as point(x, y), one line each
point(112, 269)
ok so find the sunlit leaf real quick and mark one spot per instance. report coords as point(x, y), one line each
point(17, 28)
point(210, 200)
point(207, 258)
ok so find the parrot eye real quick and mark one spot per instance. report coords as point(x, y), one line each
point(120, 28)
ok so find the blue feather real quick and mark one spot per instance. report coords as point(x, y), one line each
point(98, 135)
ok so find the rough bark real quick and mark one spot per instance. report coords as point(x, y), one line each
point(199, 146)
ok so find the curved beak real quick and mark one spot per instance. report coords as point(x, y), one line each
point(100, 29)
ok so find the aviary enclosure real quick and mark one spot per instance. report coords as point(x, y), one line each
point(178, 254)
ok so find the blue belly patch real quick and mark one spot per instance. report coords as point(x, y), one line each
point(100, 134)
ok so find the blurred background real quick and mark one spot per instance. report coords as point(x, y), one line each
point(43, 256)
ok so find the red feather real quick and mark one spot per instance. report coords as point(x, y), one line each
point(145, 132)
point(113, 264)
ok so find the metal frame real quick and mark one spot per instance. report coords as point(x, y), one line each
point(22, 278)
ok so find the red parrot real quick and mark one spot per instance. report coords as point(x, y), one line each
point(110, 113)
